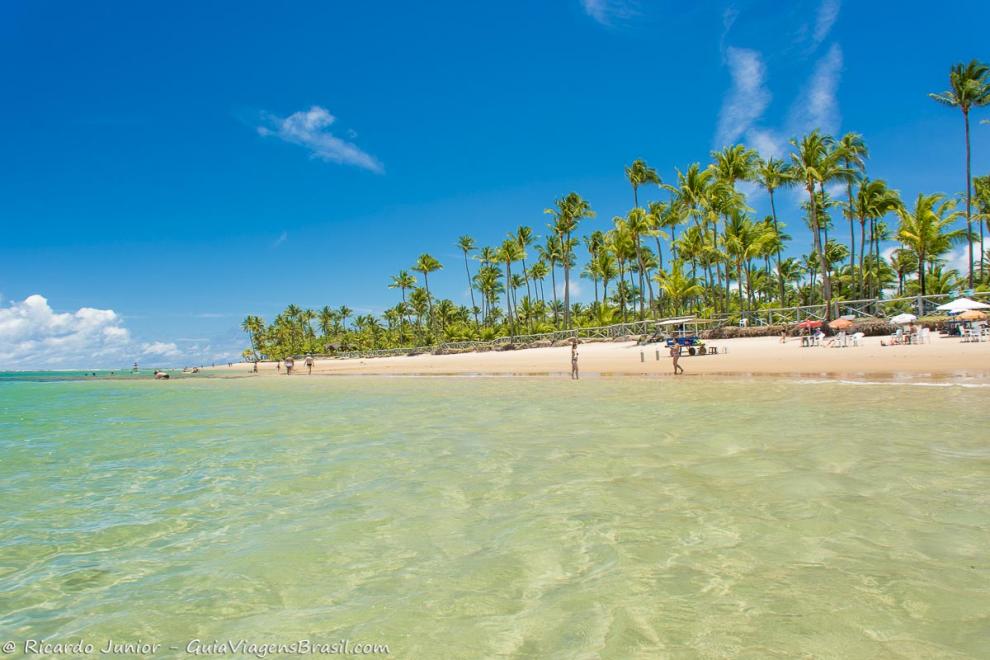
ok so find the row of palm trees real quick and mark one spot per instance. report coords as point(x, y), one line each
point(683, 252)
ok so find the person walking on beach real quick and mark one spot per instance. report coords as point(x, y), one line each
point(278, 367)
point(675, 354)
point(309, 364)
point(255, 366)
point(289, 363)
point(574, 360)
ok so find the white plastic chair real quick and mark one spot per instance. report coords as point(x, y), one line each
point(857, 338)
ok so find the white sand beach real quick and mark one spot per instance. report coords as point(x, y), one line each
point(943, 357)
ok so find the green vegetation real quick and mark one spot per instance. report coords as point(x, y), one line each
point(700, 250)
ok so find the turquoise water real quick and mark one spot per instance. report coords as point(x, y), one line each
point(459, 517)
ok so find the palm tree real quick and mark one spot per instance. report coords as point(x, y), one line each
point(639, 173)
point(981, 186)
point(903, 261)
point(426, 264)
point(968, 86)
point(508, 252)
point(402, 281)
point(677, 286)
point(466, 244)
point(924, 230)
point(524, 236)
point(569, 211)
point(853, 153)
point(813, 161)
point(774, 174)
point(873, 201)
point(639, 224)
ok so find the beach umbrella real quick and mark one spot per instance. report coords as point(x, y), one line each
point(961, 305)
point(903, 319)
point(972, 315)
point(841, 324)
point(809, 323)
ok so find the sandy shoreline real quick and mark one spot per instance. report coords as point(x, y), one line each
point(758, 356)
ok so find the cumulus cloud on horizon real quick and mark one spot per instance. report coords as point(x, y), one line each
point(34, 336)
point(310, 129)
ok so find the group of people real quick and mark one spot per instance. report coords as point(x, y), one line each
point(675, 354)
point(290, 364)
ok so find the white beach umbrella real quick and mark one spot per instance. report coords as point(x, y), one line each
point(903, 319)
point(961, 305)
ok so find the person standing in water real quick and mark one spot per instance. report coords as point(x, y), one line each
point(289, 363)
point(574, 360)
point(309, 364)
point(675, 354)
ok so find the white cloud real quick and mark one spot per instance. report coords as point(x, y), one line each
point(767, 142)
point(34, 336)
point(828, 12)
point(818, 107)
point(282, 238)
point(161, 348)
point(747, 98)
point(309, 129)
point(607, 12)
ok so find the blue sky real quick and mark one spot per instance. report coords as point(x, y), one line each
point(182, 164)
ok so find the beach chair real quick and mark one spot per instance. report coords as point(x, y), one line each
point(857, 338)
point(839, 341)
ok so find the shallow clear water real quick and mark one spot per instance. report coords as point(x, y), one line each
point(458, 517)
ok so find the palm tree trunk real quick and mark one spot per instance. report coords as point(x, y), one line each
point(780, 275)
point(553, 285)
point(474, 308)
point(852, 231)
point(969, 217)
point(826, 284)
point(862, 244)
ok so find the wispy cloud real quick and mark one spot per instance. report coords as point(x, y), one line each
point(282, 238)
point(607, 12)
point(828, 12)
point(747, 98)
point(309, 129)
point(817, 106)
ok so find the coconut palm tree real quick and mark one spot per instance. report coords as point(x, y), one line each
point(508, 252)
point(873, 201)
point(814, 163)
point(925, 230)
point(639, 224)
point(774, 174)
point(467, 245)
point(427, 264)
point(403, 281)
point(524, 236)
point(853, 153)
point(969, 86)
point(568, 213)
point(677, 286)
point(639, 173)
point(981, 186)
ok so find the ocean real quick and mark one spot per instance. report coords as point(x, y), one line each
point(484, 517)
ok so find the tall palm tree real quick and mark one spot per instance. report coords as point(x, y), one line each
point(569, 211)
point(403, 281)
point(639, 224)
point(969, 85)
point(774, 174)
point(925, 230)
point(427, 264)
point(524, 236)
point(639, 174)
point(873, 201)
point(466, 244)
point(853, 153)
point(981, 186)
point(813, 161)
point(508, 252)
